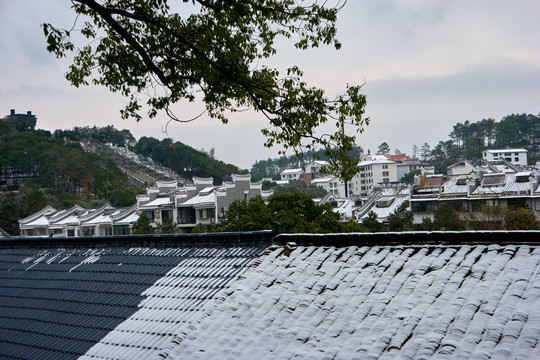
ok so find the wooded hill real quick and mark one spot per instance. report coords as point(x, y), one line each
point(469, 139)
point(39, 168)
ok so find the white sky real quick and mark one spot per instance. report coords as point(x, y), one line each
point(427, 64)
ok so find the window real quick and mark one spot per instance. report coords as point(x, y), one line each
point(150, 215)
point(419, 206)
point(88, 231)
point(121, 230)
point(209, 213)
point(70, 232)
point(385, 173)
point(385, 166)
point(166, 214)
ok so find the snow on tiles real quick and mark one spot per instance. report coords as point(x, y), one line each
point(424, 302)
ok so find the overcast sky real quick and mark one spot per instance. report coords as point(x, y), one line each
point(426, 64)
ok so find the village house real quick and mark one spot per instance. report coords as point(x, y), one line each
point(292, 174)
point(470, 193)
point(196, 203)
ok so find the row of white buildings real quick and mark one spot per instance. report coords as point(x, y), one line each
point(196, 203)
point(504, 180)
point(375, 171)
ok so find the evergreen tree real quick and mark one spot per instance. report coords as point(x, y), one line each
point(401, 219)
point(167, 226)
point(371, 224)
point(142, 225)
point(448, 219)
point(383, 149)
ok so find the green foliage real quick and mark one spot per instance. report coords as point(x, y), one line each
point(53, 164)
point(316, 192)
point(298, 213)
point(267, 185)
point(142, 225)
point(409, 177)
point(448, 219)
point(517, 218)
point(141, 48)
point(353, 226)
point(18, 205)
point(167, 226)
point(469, 139)
point(371, 224)
point(118, 194)
point(401, 219)
point(383, 149)
point(103, 135)
point(427, 224)
point(5, 127)
point(200, 229)
point(489, 218)
point(184, 160)
point(252, 215)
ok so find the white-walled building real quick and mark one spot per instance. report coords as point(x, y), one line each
point(313, 169)
point(331, 184)
point(196, 203)
point(514, 156)
point(291, 174)
point(374, 170)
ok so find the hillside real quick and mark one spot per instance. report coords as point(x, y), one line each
point(156, 158)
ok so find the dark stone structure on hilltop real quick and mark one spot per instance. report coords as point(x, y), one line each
point(21, 122)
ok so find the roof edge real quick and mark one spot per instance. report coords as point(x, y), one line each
point(413, 238)
point(254, 238)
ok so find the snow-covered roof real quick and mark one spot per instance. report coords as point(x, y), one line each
point(503, 184)
point(322, 180)
point(160, 201)
point(250, 301)
point(505, 150)
point(292, 171)
point(208, 199)
point(39, 218)
point(377, 303)
point(376, 159)
point(384, 212)
point(129, 219)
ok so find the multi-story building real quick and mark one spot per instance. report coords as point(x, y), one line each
point(514, 156)
point(374, 170)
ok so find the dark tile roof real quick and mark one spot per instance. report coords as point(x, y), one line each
point(58, 303)
point(406, 302)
